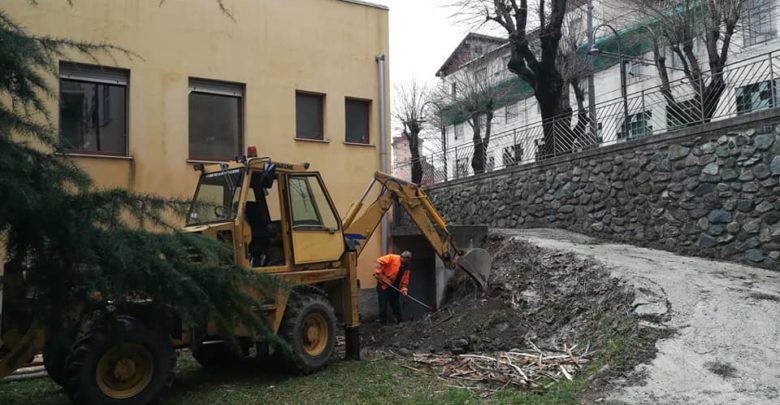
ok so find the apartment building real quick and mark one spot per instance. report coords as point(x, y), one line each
point(480, 61)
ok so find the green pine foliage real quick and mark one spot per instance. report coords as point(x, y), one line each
point(73, 251)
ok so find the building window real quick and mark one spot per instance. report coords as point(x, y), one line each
point(757, 21)
point(310, 207)
point(480, 76)
point(458, 131)
point(756, 96)
point(216, 119)
point(454, 90)
point(491, 164)
point(637, 126)
point(309, 115)
point(633, 71)
point(358, 116)
point(512, 155)
point(462, 167)
point(93, 109)
point(510, 112)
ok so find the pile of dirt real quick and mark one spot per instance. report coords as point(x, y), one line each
point(536, 295)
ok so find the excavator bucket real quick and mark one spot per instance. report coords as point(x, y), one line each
point(477, 263)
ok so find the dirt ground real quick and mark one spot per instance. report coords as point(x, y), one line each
point(540, 296)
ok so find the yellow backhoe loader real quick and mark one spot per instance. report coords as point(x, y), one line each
point(280, 220)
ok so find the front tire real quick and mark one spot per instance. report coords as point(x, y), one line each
point(309, 328)
point(124, 363)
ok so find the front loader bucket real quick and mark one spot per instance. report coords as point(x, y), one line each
point(477, 263)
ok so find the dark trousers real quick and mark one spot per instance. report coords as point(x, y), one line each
point(392, 298)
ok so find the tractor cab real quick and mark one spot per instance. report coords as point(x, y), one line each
point(277, 216)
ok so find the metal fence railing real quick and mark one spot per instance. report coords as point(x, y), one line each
point(748, 85)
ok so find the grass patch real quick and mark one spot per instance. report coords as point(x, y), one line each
point(621, 345)
point(618, 341)
point(365, 382)
point(616, 338)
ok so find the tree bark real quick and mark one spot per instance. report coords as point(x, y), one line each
point(478, 158)
point(412, 134)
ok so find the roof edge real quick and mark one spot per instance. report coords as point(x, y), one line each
point(502, 41)
point(367, 4)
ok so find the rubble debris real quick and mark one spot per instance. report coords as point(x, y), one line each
point(515, 367)
point(538, 298)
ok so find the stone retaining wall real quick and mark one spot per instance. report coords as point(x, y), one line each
point(709, 191)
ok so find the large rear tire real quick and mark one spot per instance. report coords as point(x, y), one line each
point(120, 364)
point(309, 328)
point(54, 356)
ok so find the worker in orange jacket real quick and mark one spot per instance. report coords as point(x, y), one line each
point(392, 270)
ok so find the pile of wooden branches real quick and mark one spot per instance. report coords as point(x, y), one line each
point(526, 369)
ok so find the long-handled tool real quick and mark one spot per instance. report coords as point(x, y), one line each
point(429, 308)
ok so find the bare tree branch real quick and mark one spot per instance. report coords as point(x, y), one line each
point(680, 25)
point(411, 112)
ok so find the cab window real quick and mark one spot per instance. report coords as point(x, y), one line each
point(310, 207)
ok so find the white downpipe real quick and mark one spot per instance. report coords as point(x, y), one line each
point(380, 60)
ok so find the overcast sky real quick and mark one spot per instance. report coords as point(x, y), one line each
point(422, 36)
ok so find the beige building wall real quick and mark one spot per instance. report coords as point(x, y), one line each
point(272, 47)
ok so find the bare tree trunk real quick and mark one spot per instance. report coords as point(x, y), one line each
point(548, 89)
point(583, 117)
point(478, 159)
point(412, 134)
point(417, 170)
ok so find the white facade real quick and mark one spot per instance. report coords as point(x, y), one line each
point(516, 128)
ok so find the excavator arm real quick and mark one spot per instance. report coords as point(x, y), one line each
point(410, 197)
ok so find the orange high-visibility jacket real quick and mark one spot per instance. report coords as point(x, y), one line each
point(387, 268)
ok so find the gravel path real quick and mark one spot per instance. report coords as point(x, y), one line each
point(726, 317)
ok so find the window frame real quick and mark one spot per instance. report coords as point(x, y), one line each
point(481, 75)
point(511, 117)
point(510, 156)
point(88, 73)
point(755, 15)
point(459, 134)
point(331, 205)
point(323, 100)
point(219, 88)
point(369, 104)
point(633, 71)
point(462, 167)
point(638, 125)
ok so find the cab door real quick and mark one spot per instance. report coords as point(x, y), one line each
point(316, 229)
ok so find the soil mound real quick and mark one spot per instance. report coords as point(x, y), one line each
point(543, 296)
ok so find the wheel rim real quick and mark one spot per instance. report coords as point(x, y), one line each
point(315, 334)
point(124, 370)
